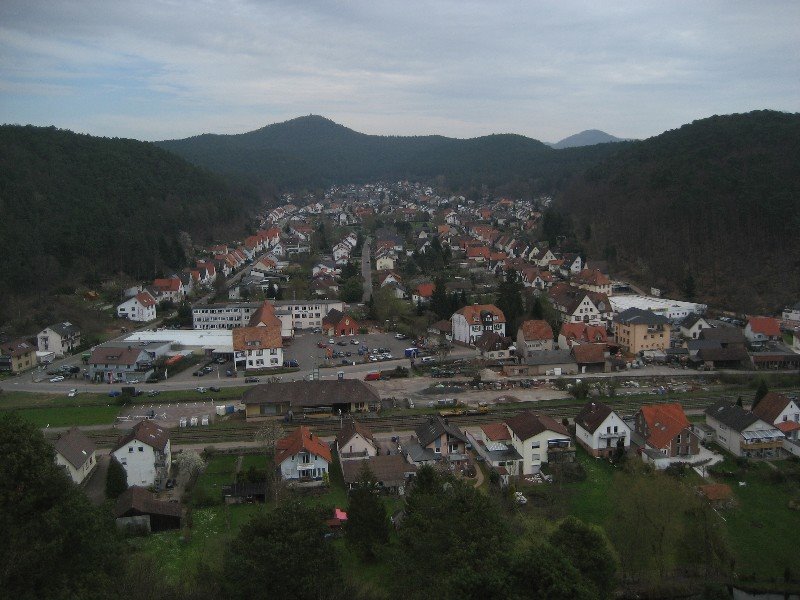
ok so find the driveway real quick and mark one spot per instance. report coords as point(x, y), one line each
point(95, 488)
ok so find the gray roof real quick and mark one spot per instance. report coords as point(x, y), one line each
point(690, 319)
point(312, 393)
point(731, 415)
point(435, 428)
point(65, 329)
point(388, 469)
point(418, 454)
point(637, 316)
point(549, 357)
point(75, 447)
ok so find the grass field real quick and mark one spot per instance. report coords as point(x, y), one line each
point(590, 500)
point(762, 528)
point(220, 471)
point(67, 417)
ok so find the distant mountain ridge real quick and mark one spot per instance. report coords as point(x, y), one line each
point(589, 137)
point(313, 150)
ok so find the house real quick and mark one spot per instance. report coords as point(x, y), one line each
point(493, 443)
point(792, 313)
point(591, 358)
point(61, 338)
point(720, 347)
point(592, 280)
point(392, 472)
point(539, 440)
point(170, 290)
point(665, 429)
point(573, 334)
point(119, 364)
point(470, 322)
point(493, 346)
point(137, 502)
point(341, 251)
point(297, 397)
point(762, 329)
point(742, 433)
point(437, 440)
point(534, 336)
point(638, 330)
point(141, 308)
point(576, 305)
point(601, 431)
point(302, 456)
point(692, 325)
point(337, 323)
point(17, 356)
point(145, 454)
point(423, 293)
point(355, 441)
point(76, 453)
point(258, 347)
point(782, 412)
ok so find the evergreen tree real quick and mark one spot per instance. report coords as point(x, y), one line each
point(761, 391)
point(367, 526)
point(509, 300)
point(440, 303)
point(116, 479)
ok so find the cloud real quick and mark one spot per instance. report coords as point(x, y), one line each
point(171, 69)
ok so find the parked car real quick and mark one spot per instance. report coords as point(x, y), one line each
point(331, 341)
point(133, 381)
point(400, 336)
point(221, 360)
point(114, 393)
point(199, 373)
point(72, 393)
point(341, 343)
point(374, 376)
point(214, 388)
point(152, 393)
point(56, 379)
point(292, 363)
point(355, 342)
point(202, 390)
point(251, 380)
point(230, 373)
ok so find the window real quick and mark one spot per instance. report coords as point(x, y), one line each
point(608, 429)
point(130, 449)
point(141, 449)
point(535, 444)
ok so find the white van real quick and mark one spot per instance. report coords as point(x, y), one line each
point(427, 359)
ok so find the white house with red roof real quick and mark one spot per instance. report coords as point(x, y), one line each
point(140, 308)
point(171, 289)
point(781, 411)
point(762, 329)
point(472, 321)
point(302, 456)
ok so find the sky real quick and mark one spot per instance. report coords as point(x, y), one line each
point(153, 70)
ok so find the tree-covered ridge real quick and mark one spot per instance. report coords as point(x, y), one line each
point(715, 202)
point(76, 206)
point(313, 150)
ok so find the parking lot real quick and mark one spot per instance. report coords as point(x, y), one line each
point(305, 350)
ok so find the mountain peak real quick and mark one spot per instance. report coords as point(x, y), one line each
point(589, 137)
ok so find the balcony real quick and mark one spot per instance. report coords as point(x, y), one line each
point(611, 436)
point(766, 445)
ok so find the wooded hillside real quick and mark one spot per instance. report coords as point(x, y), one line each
point(715, 203)
point(75, 207)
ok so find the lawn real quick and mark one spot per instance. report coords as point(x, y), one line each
point(762, 528)
point(590, 499)
point(68, 416)
point(9, 400)
point(212, 529)
point(220, 471)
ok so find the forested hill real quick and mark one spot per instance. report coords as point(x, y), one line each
point(75, 206)
point(314, 151)
point(717, 200)
point(586, 138)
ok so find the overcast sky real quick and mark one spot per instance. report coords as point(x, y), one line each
point(156, 70)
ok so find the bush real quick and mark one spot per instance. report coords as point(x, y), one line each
point(116, 479)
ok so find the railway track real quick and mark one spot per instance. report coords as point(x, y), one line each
point(327, 426)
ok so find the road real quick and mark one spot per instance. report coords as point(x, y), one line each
point(366, 270)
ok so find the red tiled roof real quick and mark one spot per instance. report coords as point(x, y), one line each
point(167, 285)
point(765, 325)
point(589, 353)
point(787, 426)
point(770, 407)
point(536, 330)
point(145, 299)
point(301, 439)
point(257, 338)
point(591, 277)
point(496, 432)
point(425, 290)
point(473, 313)
point(664, 422)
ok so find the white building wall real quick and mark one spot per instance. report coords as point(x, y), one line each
point(289, 466)
point(78, 475)
point(357, 444)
